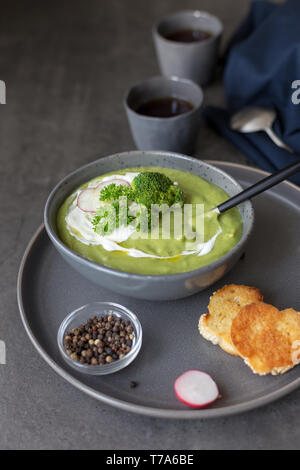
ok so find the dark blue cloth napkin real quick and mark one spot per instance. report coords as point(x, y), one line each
point(262, 63)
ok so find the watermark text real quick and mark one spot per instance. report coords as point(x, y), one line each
point(2, 92)
point(296, 94)
point(2, 352)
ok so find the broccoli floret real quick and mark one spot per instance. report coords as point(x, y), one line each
point(156, 188)
point(147, 188)
point(175, 196)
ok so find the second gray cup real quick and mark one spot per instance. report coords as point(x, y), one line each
point(177, 133)
point(194, 60)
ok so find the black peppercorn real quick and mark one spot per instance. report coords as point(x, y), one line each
point(100, 341)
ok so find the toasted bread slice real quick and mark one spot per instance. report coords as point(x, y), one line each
point(266, 338)
point(224, 305)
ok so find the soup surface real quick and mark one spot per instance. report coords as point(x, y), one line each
point(126, 249)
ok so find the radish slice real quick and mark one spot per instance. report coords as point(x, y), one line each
point(88, 198)
point(116, 181)
point(196, 389)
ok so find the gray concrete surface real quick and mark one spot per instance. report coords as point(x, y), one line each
point(66, 65)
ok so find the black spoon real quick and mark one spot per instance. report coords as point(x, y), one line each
point(258, 187)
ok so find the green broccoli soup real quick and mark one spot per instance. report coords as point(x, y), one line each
point(148, 220)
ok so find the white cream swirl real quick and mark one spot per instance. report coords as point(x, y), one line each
point(79, 224)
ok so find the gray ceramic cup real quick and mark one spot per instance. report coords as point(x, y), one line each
point(176, 133)
point(194, 60)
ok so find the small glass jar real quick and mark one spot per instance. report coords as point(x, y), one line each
point(80, 316)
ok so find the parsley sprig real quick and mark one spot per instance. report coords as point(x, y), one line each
point(111, 194)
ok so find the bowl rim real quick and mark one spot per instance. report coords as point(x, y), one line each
point(106, 368)
point(124, 274)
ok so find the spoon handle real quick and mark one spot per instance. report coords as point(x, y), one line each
point(259, 187)
point(277, 141)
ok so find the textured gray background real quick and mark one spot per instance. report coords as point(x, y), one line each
point(66, 65)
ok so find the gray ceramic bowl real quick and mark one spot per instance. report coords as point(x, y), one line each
point(165, 287)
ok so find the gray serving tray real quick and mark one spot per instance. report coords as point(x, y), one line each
point(48, 289)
